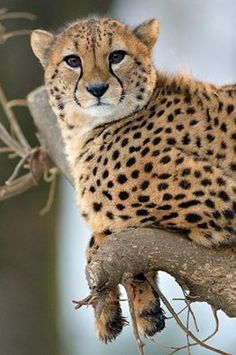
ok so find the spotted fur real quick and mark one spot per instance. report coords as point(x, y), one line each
point(153, 151)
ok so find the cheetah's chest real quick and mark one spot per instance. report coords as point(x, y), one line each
point(122, 179)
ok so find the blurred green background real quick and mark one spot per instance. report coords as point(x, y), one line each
point(42, 258)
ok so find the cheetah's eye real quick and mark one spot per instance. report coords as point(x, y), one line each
point(73, 61)
point(116, 57)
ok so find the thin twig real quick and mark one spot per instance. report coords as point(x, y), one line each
point(139, 342)
point(13, 156)
point(205, 339)
point(178, 313)
point(17, 169)
point(194, 318)
point(187, 335)
point(17, 102)
point(176, 349)
point(5, 150)
point(179, 322)
point(188, 303)
point(12, 120)
point(4, 15)
point(161, 344)
point(17, 187)
point(11, 142)
point(87, 301)
point(51, 196)
point(214, 312)
point(50, 175)
point(9, 35)
point(178, 299)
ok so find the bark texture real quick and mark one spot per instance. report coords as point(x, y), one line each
point(209, 274)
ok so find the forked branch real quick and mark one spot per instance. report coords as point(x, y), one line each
point(35, 161)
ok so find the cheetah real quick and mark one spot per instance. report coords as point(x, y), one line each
point(145, 149)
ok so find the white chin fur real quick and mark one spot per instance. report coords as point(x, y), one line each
point(88, 118)
point(100, 111)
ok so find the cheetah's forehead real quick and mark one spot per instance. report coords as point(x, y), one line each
point(96, 32)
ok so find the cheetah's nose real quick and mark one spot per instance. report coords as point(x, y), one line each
point(98, 89)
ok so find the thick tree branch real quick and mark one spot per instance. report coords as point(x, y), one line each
point(209, 274)
point(49, 134)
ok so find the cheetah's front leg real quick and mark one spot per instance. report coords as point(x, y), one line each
point(108, 317)
point(149, 315)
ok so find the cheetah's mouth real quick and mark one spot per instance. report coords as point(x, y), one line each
point(100, 108)
point(100, 103)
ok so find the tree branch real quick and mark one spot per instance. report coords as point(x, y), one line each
point(49, 134)
point(208, 274)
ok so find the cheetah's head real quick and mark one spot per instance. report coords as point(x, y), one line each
point(98, 67)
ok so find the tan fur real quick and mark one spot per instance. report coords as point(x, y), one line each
point(160, 153)
point(147, 305)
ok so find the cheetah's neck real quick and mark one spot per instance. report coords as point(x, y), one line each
point(78, 128)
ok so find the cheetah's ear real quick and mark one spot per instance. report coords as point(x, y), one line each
point(148, 33)
point(41, 42)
